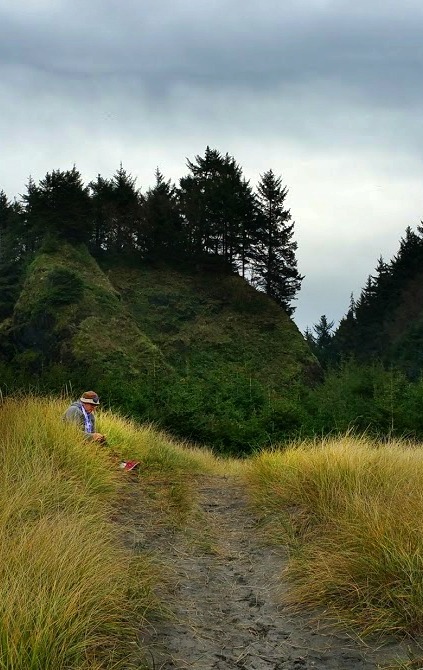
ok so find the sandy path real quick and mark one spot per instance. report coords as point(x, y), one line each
point(228, 601)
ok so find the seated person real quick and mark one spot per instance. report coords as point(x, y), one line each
point(82, 411)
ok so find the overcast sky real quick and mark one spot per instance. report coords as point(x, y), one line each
point(327, 93)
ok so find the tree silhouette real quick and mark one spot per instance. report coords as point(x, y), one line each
point(162, 234)
point(218, 208)
point(274, 260)
point(59, 206)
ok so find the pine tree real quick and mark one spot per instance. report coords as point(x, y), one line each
point(59, 206)
point(162, 234)
point(5, 225)
point(344, 338)
point(117, 214)
point(101, 191)
point(323, 333)
point(309, 337)
point(126, 212)
point(218, 208)
point(11, 254)
point(245, 232)
point(275, 263)
point(320, 339)
point(370, 330)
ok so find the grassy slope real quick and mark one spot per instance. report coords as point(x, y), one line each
point(92, 326)
point(70, 595)
point(204, 322)
point(145, 321)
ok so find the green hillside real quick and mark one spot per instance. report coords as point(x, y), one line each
point(68, 313)
point(208, 321)
point(203, 354)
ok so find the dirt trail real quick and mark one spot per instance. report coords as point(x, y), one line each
point(228, 601)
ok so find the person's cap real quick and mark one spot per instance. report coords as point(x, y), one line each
point(90, 397)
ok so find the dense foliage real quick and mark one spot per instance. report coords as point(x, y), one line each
point(239, 418)
point(214, 216)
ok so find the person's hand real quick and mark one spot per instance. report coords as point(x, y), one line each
point(98, 437)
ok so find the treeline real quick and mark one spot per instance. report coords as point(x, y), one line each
point(385, 323)
point(214, 215)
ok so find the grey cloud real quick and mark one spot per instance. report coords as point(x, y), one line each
point(375, 51)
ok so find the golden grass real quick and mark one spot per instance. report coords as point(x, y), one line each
point(351, 512)
point(70, 595)
point(63, 575)
point(156, 451)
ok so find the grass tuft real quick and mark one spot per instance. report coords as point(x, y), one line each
point(351, 513)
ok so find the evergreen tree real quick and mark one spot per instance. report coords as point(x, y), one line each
point(275, 264)
point(246, 230)
point(117, 213)
point(218, 208)
point(6, 223)
point(409, 258)
point(162, 235)
point(320, 339)
point(126, 212)
point(374, 327)
point(309, 337)
point(344, 338)
point(101, 192)
point(200, 202)
point(58, 206)
point(32, 229)
point(11, 254)
point(323, 333)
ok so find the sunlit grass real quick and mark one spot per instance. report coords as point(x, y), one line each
point(351, 513)
point(156, 451)
point(71, 596)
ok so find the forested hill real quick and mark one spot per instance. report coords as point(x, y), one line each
point(202, 353)
point(385, 323)
point(173, 303)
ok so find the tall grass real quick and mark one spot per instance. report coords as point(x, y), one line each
point(70, 594)
point(156, 451)
point(351, 512)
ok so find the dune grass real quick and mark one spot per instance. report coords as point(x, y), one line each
point(156, 451)
point(71, 596)
point(351, 513)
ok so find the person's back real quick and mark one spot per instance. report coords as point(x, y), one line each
point(81, 412)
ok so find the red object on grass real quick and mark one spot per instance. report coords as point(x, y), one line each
point(131, 465)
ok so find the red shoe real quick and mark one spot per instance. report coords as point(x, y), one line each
point(129, 465)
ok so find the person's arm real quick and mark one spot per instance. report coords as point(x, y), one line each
point(97, 437)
